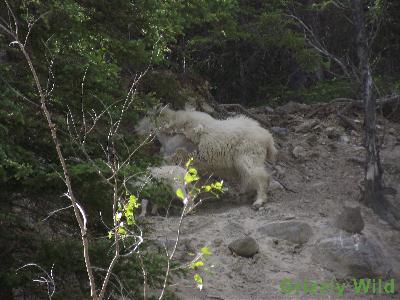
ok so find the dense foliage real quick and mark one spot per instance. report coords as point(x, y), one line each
point(248, 52)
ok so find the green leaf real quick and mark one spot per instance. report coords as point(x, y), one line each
point(205, 251)
point(121, 231)
point(217, 185)
point(110, 234)
point(207, 188)
point(192, 171)
point(189, 162)
point(118, 216)
point(133, 201)
point(188, 178)
point(198, 280)
point(130, 220)
point(191, 177)
point(180, 194)
point(196, 264)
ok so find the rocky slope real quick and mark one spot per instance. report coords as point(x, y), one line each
point(316, 232)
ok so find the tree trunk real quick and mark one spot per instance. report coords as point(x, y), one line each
point(373, 194)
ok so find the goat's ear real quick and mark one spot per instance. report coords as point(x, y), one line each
point(190, 107)
point(156, 109)
point(159, 108)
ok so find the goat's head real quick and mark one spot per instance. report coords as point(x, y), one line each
point(156, 119)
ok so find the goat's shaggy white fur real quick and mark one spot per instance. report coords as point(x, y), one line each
point(235, 147)
point(170, 143)
point(173, 176)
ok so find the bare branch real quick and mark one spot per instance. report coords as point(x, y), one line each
point(171, 255)
point(30, 26)
point(48, 279)
point(314, 42)
point(56, 211)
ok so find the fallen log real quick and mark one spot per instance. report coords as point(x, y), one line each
point(347, 122)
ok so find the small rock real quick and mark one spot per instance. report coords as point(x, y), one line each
point(245, 247)
point(268, 109)
point(289, 217)
point(218, 242)
point(280, 171)
point(293, 231)
point(344, 139)
point(280, 130)
point(332, 133)
point(292, 108)
point(299, 152)
point(332, 146)
point(383, 222)
point(312, 140)
point(350, 220)
point(275, 185)
point(392, 131)
point(283, 156)
point(317, 127)
point(306, 126)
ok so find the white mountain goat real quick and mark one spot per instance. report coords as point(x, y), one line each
point(236, 147)
point(172, 176)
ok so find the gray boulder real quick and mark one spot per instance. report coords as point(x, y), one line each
point(351, 256)
point(245, 247)
point(293, 231)
point(350, 220)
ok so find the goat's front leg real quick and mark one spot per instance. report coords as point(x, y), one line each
point(144, 204)
point(154, 209)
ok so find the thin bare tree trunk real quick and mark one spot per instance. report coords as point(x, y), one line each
point(373, 171)
point(373, 194)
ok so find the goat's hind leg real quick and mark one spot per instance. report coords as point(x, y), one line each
point(253, 177)
point(261, 181)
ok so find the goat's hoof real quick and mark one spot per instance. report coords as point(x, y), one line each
point(257, 205)
point(140, 218)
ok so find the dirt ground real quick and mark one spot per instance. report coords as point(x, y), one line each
point(325, 176)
